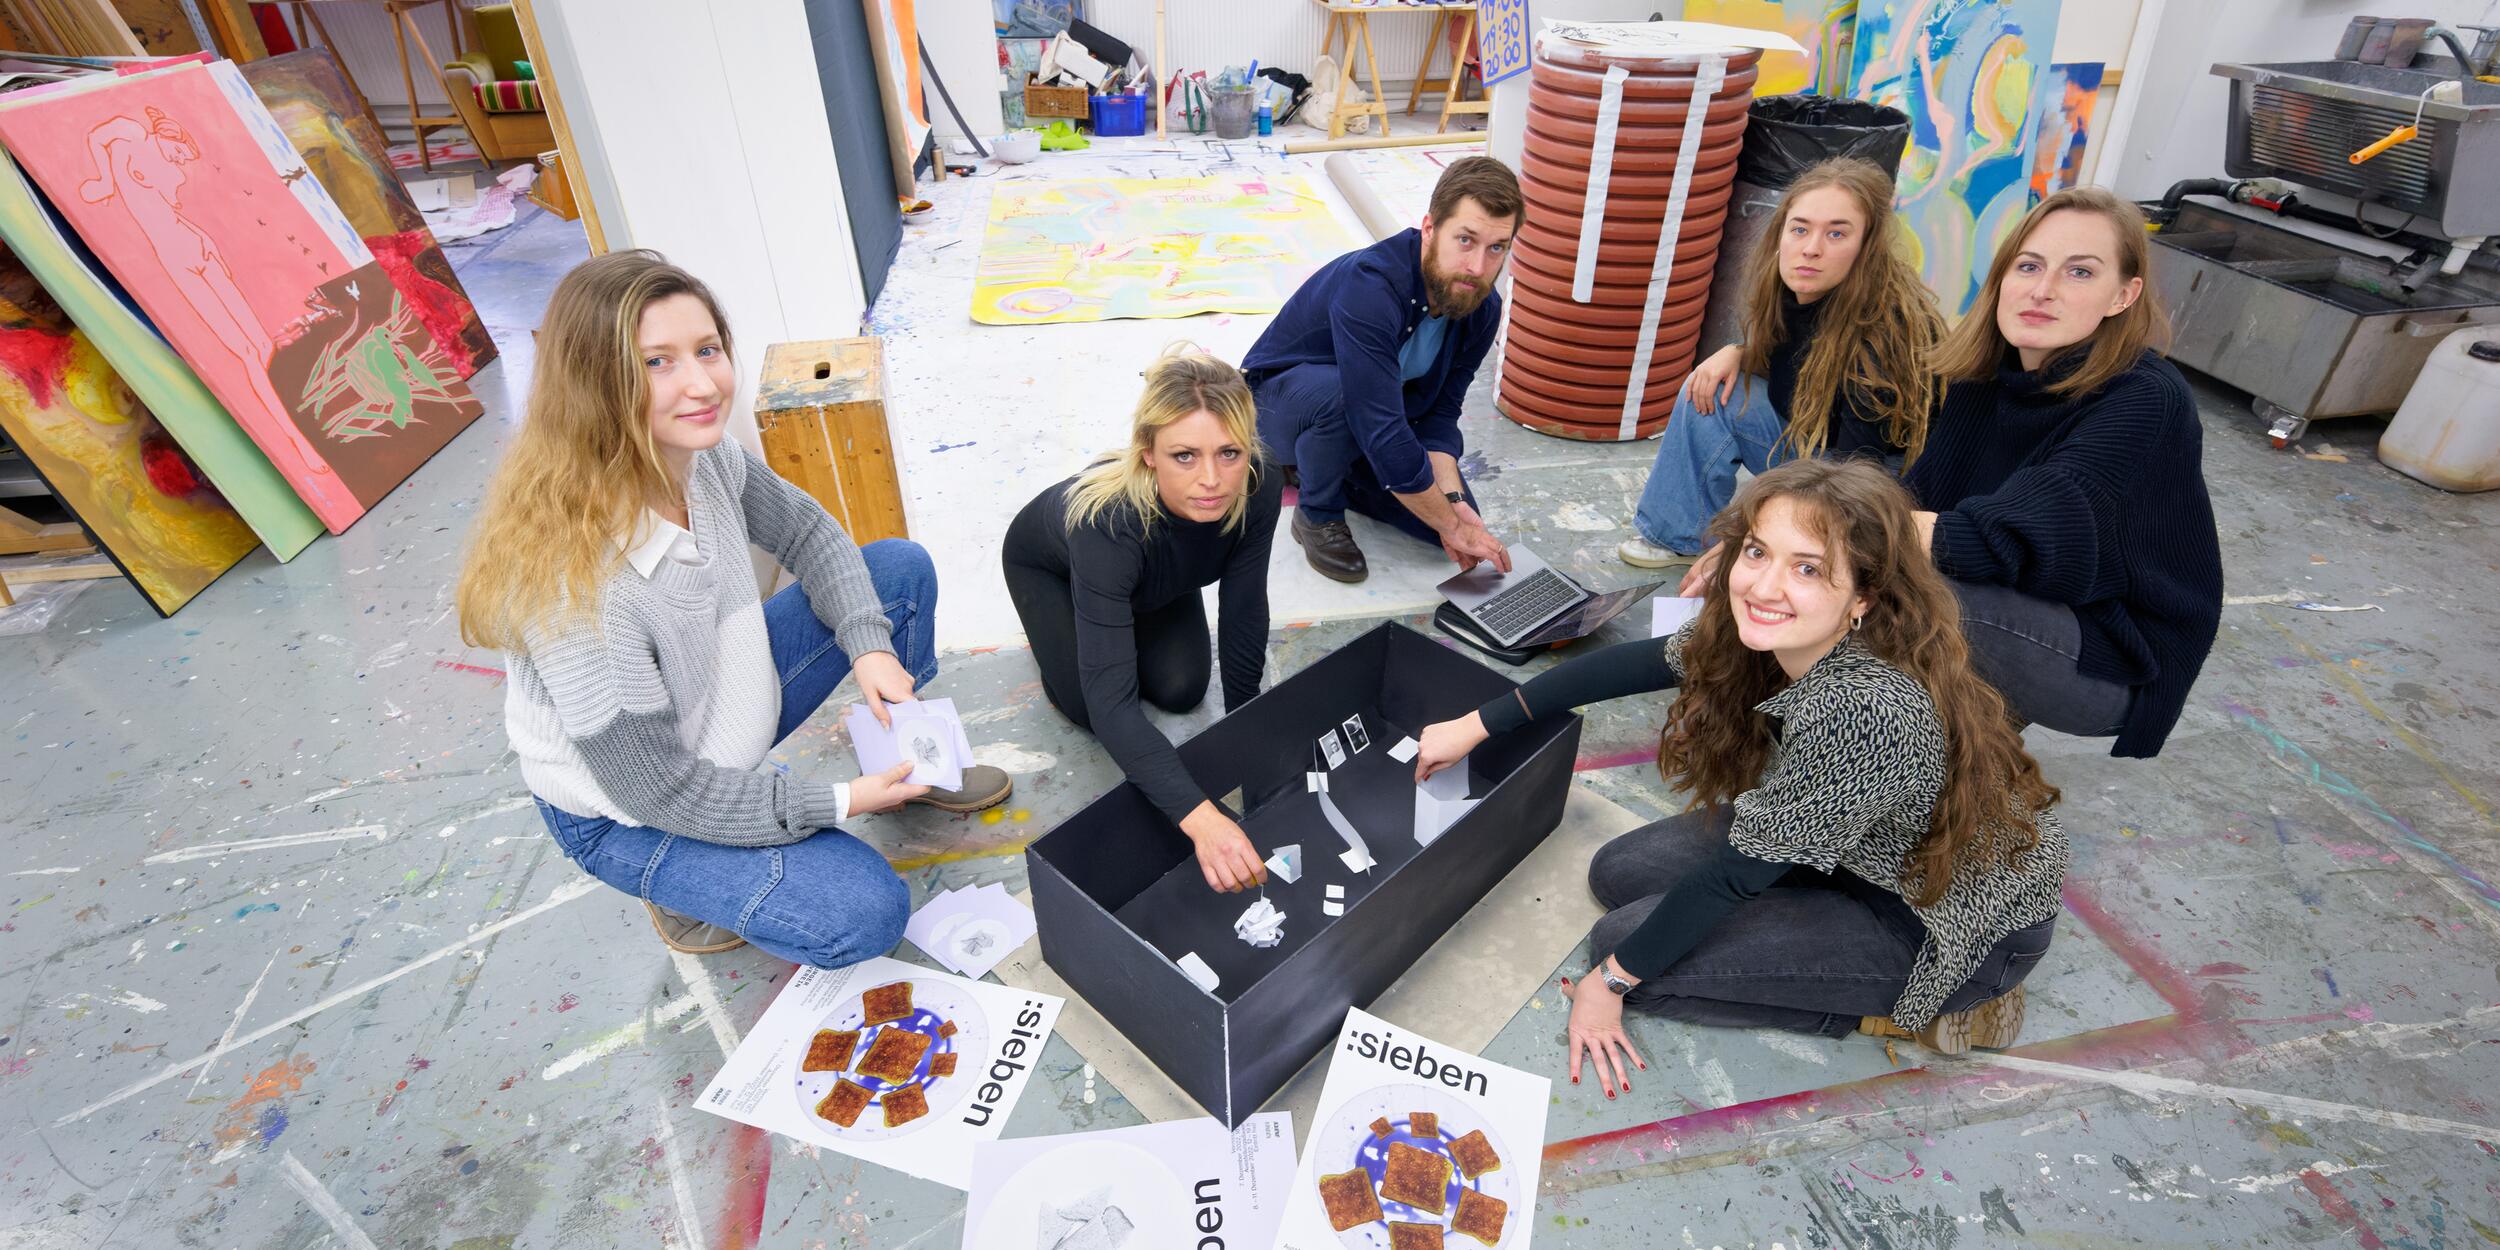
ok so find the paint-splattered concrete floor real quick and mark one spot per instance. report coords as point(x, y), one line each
point(290, 963)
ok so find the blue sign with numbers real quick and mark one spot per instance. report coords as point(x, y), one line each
point(1502, 33)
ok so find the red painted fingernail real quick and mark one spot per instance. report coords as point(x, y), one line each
point(1575, 1080)
point(1610, 1093)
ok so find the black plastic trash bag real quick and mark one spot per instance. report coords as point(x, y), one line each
point(1786, 133)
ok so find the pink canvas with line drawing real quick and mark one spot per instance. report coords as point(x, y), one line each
point(190, 194)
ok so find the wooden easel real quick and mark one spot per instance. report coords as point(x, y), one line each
point(21, 536)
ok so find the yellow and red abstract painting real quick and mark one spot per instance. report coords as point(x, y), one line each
point(104, 454)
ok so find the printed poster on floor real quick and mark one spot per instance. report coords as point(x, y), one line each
point(1417, 1144)
point(1146, 1187)
point(888, 1062)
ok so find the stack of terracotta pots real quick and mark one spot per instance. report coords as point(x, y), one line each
point(1567, 364)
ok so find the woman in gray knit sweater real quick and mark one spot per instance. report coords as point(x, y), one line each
point(649, 677)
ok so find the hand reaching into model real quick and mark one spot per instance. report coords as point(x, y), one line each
point(1447, 742)
point(1225, 855)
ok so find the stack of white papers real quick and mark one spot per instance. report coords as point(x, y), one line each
point(927, 732)
point(970, 931)
point(1667, 614)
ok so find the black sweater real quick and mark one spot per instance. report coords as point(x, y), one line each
point(2097, 502)
point(1848, 432)
point(1116, 568)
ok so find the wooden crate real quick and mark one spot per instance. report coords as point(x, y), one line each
point(820, 407)
point(1041, 101)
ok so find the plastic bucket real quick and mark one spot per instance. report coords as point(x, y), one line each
point(1234, 111)
point(1116, 115)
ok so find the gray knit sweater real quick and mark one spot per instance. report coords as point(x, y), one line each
point(652, 713)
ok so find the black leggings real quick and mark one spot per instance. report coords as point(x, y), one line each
point(1173, 645)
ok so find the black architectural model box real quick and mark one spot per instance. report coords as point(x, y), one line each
point(1121, 902)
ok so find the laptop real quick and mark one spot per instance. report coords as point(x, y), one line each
point(1533, 605)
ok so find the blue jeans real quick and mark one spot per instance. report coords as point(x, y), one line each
point(1302, 421)
point(1695, 473)
point(828, 900)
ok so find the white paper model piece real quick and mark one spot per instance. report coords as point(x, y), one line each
point(1332, 908)
point(1262, 925)
point(1087, 1223)
point(1355, 737)
point(1440, 801)
point(1316, 783)
point(1358, 856)
point(1335, 892)
point(1287, 862)
point(1404, 751)
point(1199, 972)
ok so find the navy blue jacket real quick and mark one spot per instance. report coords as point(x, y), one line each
point(1355, 313)
point(2097, 502)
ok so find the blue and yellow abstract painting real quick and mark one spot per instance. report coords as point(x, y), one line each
point(1968, 73)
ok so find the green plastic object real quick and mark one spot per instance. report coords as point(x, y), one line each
point(1059, 136)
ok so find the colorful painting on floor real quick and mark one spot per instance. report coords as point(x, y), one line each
point(335, 131)
point(188, 191)
point(1825, 28)
point(1967, 73)
point(104, 455)
point(1136, 247)
point(2061, 128)
point(146, 363)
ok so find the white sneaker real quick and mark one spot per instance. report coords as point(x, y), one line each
point(1641, 553)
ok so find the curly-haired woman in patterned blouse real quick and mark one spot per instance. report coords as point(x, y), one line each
point(1870, 848)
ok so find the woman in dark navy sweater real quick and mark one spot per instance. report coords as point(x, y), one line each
point(2066, 481)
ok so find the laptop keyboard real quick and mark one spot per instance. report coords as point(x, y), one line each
point(1515, 609)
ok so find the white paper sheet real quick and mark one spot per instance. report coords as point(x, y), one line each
point(971, 930)
point(1440, 801)
point(1179, 1184)
point(1667, 614)
point(931, 726)
point(1356, 848)
point(1378, 1071)
point(1404, 751)
point(996, 1041)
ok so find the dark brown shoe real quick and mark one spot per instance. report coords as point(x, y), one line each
point(1331, 549)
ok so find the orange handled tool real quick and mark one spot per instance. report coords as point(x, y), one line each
point(2401, 134)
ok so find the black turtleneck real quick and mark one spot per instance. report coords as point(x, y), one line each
point(1849, 432)
point(2097, 502)
point(1118, 568)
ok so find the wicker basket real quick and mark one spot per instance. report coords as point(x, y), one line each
point(1041, 101)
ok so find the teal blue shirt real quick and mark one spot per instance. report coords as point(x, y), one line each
point(1423, 348)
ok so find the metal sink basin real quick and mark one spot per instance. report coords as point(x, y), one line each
point(2302, 120)
point(2369, 84)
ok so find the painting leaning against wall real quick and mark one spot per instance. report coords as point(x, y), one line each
point(103, 453)
point(1967, 73)
point(343, 146)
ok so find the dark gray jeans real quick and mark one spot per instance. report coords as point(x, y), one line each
point(2028, 648)
point(1811, 955)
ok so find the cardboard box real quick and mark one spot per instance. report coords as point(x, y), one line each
point(1119, 898)
point(1072, 102)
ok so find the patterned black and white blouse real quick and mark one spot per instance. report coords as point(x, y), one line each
point(1852, 780)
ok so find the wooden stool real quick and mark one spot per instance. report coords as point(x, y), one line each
point(1355, 20)
point(820, 411)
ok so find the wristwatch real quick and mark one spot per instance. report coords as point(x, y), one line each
point(1615, 984)
point(1454, 496)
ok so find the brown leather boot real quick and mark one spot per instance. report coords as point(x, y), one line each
point(694, 937)
point(984, 786)
point(1992, 1025)
point(1331, 549)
